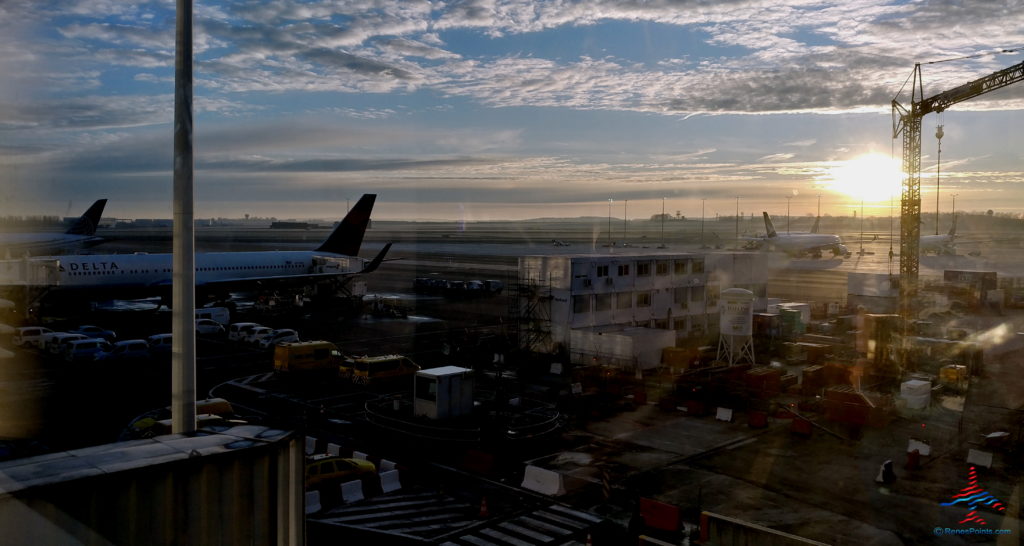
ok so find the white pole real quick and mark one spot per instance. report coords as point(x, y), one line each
point(183, 291)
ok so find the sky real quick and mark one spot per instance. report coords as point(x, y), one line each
point(504, 109)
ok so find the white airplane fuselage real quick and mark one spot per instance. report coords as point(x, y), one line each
point(142, 271)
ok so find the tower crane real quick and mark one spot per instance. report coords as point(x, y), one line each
point(907, 121)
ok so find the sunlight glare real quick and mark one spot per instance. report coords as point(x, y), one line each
point(870, 178)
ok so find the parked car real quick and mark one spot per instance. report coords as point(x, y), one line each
point(329, 470)
point(238, 330)
point(58, 342)
point(47, 338)
point(278, 336)
point(159, 344)
point(206, 327)
point(84, 349)
point(29, 335)
point(129, 349)
point(95, 332)
point(256, 333)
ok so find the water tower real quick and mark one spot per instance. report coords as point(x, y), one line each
point(736, 342)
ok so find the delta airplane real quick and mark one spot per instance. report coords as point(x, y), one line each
point(939, 244)
point(133, 276)
point(798, 244)
point(81, 234)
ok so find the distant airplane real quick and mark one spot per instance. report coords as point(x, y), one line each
point(81, 234)
point(940, 244)
point(798, 244)
point(140, 275)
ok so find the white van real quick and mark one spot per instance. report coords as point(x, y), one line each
point(238, 330)
point(218, 314)
point(30, 335)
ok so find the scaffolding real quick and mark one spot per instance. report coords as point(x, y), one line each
point(529, 311)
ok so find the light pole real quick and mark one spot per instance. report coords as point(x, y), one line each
point(737, 221)
point(954, 206)
point(609, 225)
point(938, 176)
point(702, 222)
point(625, 220)
point(789, 199)
point(819, 206)
point(662, 223)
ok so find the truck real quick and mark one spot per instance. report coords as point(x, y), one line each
point(307, 357)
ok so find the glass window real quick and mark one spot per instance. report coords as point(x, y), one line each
point(602, 271)
point(624, 300)
point(698, 266)
point(581, 304)
point(661, 268)
point(624, 270)
point(602, 302)
point(643, 299)
point(643, 269)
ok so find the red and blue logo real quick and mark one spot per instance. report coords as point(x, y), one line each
point(972, 497)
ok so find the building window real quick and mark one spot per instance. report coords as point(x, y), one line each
point(679, 324)
point(602, 302)
point(624, 300)
point(697, 295)
point(680, 295)
point(643, 269)
point(661, 268)
point(602, 271)
point(624, 270)
point(581, 304)
point(680, 267)
point(587, 283)
point(643, 299)
point(698, 266)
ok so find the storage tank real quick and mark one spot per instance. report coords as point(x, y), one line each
point(737, 314)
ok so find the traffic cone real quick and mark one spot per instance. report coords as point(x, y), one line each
point(483, 508)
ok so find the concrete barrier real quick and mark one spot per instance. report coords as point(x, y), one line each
point(543, 481)
point(312, 502)
point(359, 455)
point(352, 491)
point(386, 465)
point(389, 481)
point(724, 414)
point(310, 445)
point(333, 450)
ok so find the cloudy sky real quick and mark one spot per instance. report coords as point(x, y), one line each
point(499, 109)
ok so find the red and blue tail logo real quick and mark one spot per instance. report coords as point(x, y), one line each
point(972, 497)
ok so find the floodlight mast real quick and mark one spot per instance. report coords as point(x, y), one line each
point(908, 123)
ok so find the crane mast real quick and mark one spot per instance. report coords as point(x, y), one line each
point(908, 123)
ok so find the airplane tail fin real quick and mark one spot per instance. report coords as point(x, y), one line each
point(87, 223)
point(375, 263)
point(768, 226)
point(817, 222)
point(952, 229)
point(348, 236)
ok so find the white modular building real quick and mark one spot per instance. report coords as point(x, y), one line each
point(612, 295)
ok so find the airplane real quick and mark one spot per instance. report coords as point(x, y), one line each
point(81, 234)
point(798, 244)
point(939, 244)
point(141, 275)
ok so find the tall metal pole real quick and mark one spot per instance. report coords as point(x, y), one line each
point(737, 243)
point(662, 222)
point(938, 176)
point(609, 225)
point(702, 222)
point(625, 219)
point(183, 291)
point(819, 206)
point(789, 199)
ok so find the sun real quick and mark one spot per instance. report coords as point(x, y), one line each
point(869, 178)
